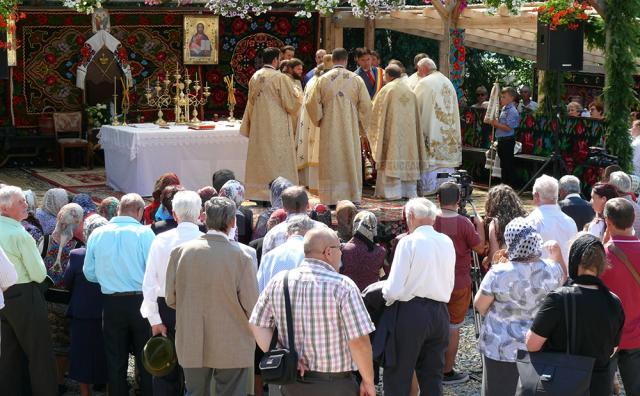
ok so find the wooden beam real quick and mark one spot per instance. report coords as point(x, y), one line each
point(338, 37)
point(369, 33)
point(328, 32)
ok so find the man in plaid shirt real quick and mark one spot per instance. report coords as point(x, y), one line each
point(331, 323)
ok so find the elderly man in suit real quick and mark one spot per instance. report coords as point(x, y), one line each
point(572, 203)
point(212, 285)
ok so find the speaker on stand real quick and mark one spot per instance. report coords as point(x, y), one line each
point(560, 50)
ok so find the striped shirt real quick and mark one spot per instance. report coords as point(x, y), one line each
point(327, 312)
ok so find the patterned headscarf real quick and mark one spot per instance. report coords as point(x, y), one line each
point(163, 181)
point(91, 223)
point(278, 185)
point(108, 208)
point(233, 190)
point(345, 213)
point(522, 239)
point(32, 202)
point(69, 218)
point(365, 225)
point(85, 202)
point(54, 200)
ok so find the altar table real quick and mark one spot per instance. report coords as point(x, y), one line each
point(136, 155)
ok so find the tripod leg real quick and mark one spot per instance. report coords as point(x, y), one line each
point(535, 176)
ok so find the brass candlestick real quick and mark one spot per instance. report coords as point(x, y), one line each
point(126, 103)
point(196, 98)
point(231, 96)
point(114, 118)
point(159, 97)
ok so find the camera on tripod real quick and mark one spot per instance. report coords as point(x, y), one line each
point(463, 180)
point(598, 156)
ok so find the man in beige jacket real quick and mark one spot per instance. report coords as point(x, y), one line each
point(212, 285)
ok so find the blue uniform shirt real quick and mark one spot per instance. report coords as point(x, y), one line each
point(508, 116)
point(117, 255)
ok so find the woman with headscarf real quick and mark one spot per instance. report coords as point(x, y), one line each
point(163, 181)
point(108, 208)
point(54, 200)
point(65, 237)
point(599, 316)
point(87, 360)
point(164, 214)
point(31, 223)
point(600, 194)
point(277, 187)
point(234, 190)
point(86, 203)
point(509, 297)
point(362, 257)
point(345, 213)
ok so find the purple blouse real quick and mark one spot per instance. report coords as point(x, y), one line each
point(360, 264)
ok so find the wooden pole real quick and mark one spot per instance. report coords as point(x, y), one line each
point(369, 33)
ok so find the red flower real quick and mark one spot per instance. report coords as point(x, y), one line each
point(579, 128)
point(462, 50)
point(50, 58)
point(143, 20)
point(85, 52)
point(456, 66)
point(468, 117)
point(213, 76)
point(50, 80)
point(527, 143)
point(456, 41)
point(303, 29)
point(169, 19)
point(18, 75)
point(132, 40)
point(241, 98)
point(529, 121)
point(80, 40)
point(117, 18)
point(161, 56)
point(305, 48)
point(42, 19)
point(251, 53)
point(218, 96)
point(581, 150)
point(18, 99)
point(569, 162)
point(462, 57)
point(239, 26)
point(283, 26)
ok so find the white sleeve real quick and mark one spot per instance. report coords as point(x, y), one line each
point(395, 284)
point(150, 285)
point(8, 274)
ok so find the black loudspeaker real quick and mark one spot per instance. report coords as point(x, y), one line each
point(561, 49)
point(4, 69)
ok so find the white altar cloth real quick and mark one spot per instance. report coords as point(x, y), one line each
point(136, 155)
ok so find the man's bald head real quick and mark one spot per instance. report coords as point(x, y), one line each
point(392, 72)
point(323, 244)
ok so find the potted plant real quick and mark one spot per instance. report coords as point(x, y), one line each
point(97, 115)
point(563, 13)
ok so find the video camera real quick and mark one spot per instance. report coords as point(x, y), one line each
point(464, 182)
point(598, 156)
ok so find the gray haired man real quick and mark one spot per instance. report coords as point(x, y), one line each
point(572, 204)
point(211, 283)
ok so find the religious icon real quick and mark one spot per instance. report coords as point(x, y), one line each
point(200, 44)
point(100, 20)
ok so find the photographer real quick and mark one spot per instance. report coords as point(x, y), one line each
point(465, 238)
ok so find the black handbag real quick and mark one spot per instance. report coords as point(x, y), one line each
point(553, 373)
point(279, 366)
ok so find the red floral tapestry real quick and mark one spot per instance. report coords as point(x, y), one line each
point(52, 43)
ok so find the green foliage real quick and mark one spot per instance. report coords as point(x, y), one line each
point(512, 5)
point(484, 68)
point(623, 36)
point(594, 32)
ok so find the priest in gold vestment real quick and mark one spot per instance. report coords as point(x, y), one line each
point(340, 106)
point(440, 124)
point(396, 139)
point(267, 122)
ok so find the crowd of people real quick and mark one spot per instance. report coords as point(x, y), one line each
point(87, 285)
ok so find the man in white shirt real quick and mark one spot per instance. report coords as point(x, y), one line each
point(295, 201)
point(548, 219)
point(526, 102)
point(288, 255)
point(419, 286)
point(186, 210)
point(635, 145)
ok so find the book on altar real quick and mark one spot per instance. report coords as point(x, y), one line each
point(202, 127)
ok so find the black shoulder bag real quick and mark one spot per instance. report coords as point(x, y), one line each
point(280, 366)
point(554, 373)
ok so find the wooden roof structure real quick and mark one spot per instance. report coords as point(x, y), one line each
point(513, 35)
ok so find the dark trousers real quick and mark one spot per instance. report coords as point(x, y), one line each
point(170, 384)
point(26, 343)
point(321, 384)
point(421, 339)
point(123, 326)
point(628, 361)
point(505, 152)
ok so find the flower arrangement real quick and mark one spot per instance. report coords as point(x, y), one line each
point(512, 6)
point(97, 115)
point(563, 13)
point(84, 6)
point(9, 16)
point(248, 8)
